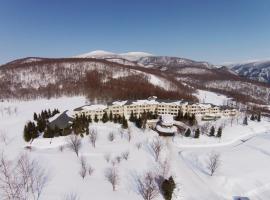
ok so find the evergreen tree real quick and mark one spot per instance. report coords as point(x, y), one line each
point(212, 131)
point(96, 118)
point(197, 133)
point(105, 117)
point(132, 117)
point(188, 132)
point(259, 117)
point(87, 130)
point(219, 132)
point(26, 134)
point(192, 120)
point(245, 121)
point(138, 122)
point(89, 119)
point(49, 132)
point(35, 116)
point(125, 123)
point(111, 116)
point(119, 119)
point(155, 114)
point(115, 118)
point(167, 187)
point(252, 117)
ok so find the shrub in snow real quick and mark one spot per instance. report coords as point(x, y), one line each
point(90, 170)
point(83, 170)
point(112, 175)
point(138, 145)
point(71, 196)
point(156, 147)
point(147, 187)
point(167, 187)
point(21, 179)
point(111, 136)
point(213, 162)
point(93, 135)
point(125, 155)
point(74, 143)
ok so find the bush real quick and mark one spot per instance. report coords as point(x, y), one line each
point(167, 187)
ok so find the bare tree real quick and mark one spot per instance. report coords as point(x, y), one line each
point(71, 196)
point(111, 137)
point(138, 145)
point(156, 147)
point(83, 169)
point(90, 170)
point(112, 176)
point(213, 162)
point(129, 134)
point(125, 155)
point(24, 179)
point(164, 168)
point(93, 137)
point(147, 186)
point(74, 143)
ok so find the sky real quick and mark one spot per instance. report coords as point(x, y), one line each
point(216, 31)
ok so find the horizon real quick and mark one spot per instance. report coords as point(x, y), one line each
point(216, 32)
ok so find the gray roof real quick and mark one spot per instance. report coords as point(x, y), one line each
point(62, 121)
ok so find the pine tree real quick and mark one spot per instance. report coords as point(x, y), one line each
point(35, 116)
point(252, 117)
point(245, 121)
point(115, 118)
point(188, 132)
point(49, 133)
point(219, 132)
point(259, 117)
point(111, 116)
point(192, 120)
point(87, 130)
point(197, 133)
point(96, 118)
point(89, 119)
point(105, 117)
point(125, 123)
point(167, 187)
point(26, 134)
point(138, 122)
point(132, 118)
point(212, 131)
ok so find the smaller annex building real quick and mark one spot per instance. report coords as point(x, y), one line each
point(165, 126)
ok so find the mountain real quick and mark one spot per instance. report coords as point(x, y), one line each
point(259, 70)
point(102, 75)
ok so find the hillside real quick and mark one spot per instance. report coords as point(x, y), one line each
point(116, 74)
point(259, 70)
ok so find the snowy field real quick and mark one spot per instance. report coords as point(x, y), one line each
point(244, 153)
point(211, 97)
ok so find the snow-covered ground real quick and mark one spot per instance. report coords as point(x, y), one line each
point(244, 153)
point(211, 97)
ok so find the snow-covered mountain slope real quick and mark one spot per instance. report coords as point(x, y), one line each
point(32, 76)
point(259, 70)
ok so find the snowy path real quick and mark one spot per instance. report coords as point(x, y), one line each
point(188, 177)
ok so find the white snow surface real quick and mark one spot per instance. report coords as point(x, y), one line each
point(244, 152)
point(211, 97)
point(131, 56)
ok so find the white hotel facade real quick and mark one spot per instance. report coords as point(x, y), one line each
point(153, 105)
